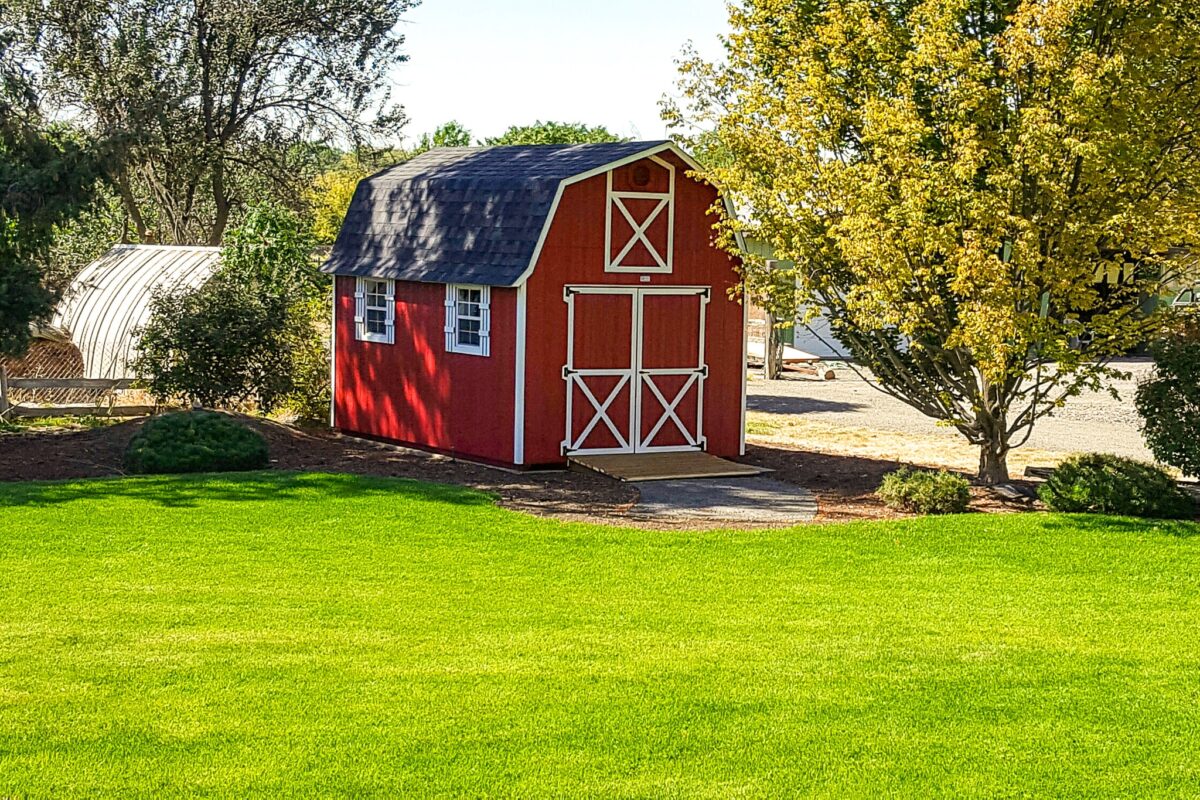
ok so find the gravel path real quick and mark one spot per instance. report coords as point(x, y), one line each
point(1092, 422)
point(723, 501)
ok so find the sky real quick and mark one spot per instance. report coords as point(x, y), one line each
point(494, 63)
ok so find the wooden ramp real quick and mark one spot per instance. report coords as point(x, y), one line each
point(664, 466)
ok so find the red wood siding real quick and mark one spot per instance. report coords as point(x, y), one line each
point(574, 254)
point(413, 391)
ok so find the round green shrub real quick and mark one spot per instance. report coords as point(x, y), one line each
point(1100, 483)
point(925, 491)
point(195, 441)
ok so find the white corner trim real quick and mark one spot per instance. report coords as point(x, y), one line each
point(519, 390)
point(745, 369)
point(333, 334)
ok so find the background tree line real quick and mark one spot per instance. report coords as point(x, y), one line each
point(207, 122)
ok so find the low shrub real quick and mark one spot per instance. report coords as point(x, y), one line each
point(1106, 484)
point(195, 441)
point(925, 492)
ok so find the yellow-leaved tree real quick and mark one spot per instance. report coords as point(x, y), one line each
point(984, 196)
point(330, 196)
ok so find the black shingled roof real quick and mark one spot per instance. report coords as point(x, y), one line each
point(464, 214)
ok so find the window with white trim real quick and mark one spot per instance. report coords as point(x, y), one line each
point(468, 319)
point(375, 310)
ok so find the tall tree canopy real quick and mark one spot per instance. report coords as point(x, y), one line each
point(210, 101)
point(951, 177)
point(554, 133)
point(449, 134)
point(46, 175)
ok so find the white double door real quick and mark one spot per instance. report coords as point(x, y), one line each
point(635, 369)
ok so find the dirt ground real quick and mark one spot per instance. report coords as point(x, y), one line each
point(847, 416)
point(844, 485)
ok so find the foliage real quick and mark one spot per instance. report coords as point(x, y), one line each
point(330, 197)
point(216, 345)
point(450, 134)
point(554, 133)
point(270, 255)
point(85, 237)
point(38, 424)
point(1169, 402)
point(925, 491)
point(206, 105)
point(1106, 484)
point(46, 175)
point(195, 441)
point(949, 180)
point(306, 339)
point(249, 335)
point(279, 610)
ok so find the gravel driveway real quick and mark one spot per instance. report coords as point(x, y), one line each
point(1091, 422)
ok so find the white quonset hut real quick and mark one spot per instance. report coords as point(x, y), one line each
point(110, 299)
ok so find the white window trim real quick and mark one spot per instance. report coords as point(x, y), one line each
point(663, 262)
point(360, 312)
point(484, 348)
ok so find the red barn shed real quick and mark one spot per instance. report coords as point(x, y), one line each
point(521, 305)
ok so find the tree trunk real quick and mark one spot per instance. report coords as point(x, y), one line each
point(993, 464)
point(772, 351)
point(132, 211)
point(221, 203)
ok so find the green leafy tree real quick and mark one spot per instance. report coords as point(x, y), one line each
point(209, 103)
point(251, 334)
point(46, 175)
point(555, 133)
point(1169, 402)
point(450, 134)
point(951, 179)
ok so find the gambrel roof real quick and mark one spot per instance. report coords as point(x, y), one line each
point(466, 215)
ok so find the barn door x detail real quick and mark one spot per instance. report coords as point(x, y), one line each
point(635, 369)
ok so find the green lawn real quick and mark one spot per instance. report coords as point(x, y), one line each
point(304, 635)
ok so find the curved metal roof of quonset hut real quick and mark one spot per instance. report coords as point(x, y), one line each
point(110, 299)
point(466, 214)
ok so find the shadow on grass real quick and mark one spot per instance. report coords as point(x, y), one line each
point(190, 491)
point(1098, 523)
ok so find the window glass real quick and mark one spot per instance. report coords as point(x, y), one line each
point(377, 306)
point(468, 333)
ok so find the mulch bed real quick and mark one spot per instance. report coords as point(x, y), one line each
point(844, 485)
point(99, 453)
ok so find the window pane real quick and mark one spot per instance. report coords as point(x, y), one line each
point(469, 339)
point(468, 310)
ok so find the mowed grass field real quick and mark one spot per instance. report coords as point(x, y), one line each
point(315, 635)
